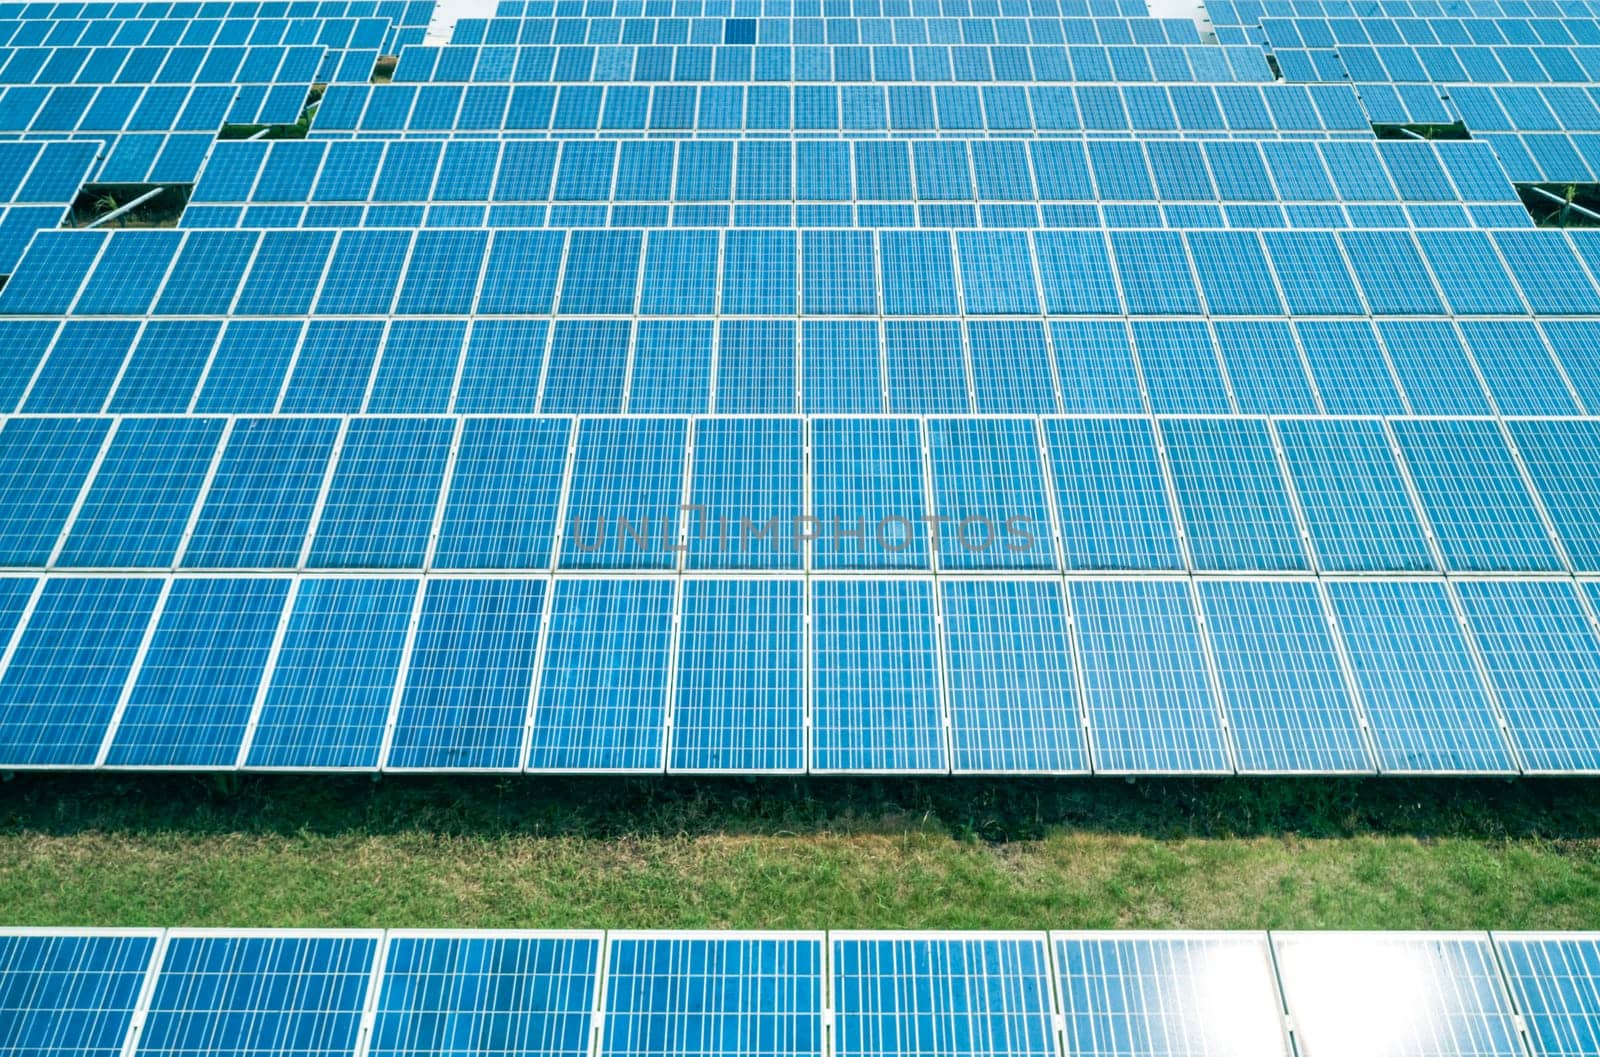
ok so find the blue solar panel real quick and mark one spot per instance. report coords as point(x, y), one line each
point(384, 491)
point(43, 464)
point(1358, 511)
point(1282, 685)
point(504, 489)
point(1543, 662)
point(1111, 495)
point(875, 694)
point(1231, 495)
point(1553, 981)
point(527, 994)
point(263, 993)
point(739, 701)
point(602, 698)
point(1145, 683)
point(1420, 690)
point(71, 993)
point(469, 675)
point(978, 994)
point(866, 494)
point(1439, 994)
point(735, 522)
point(1481, 511)
point(990, 494)
point(327, 701)
point(625, 493)
point(262, 494)
point(1008, 656)
point(190, 704)
point(135, 512)
point(1133, 993)
point(714, 994)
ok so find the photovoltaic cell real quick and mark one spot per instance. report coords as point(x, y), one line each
point(1111, 495)
point(876, 701)
point(385, 488)
point(135, 512)
point(1358, 510)
point(1231, 495)
point(1553, 980)
point(61, 686)
point(190, 703)
point(1543, 662)
point(465, 703)
point(261, 498)
point(1282, 685)
point(1427, 708)
point(1481, 511)
point(1145, 684)
point(327, 701)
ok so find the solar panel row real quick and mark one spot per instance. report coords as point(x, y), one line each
point(813, 107)
point(736, 994)
point(272, 493)
point(844, 674)
point(860, 170)
point(1158, 273)
point(839, 62)
point(636, 29)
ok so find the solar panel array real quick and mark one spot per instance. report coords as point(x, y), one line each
point(851, 386)
point(839, 994)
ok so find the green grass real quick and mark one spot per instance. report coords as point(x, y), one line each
point(949, 853)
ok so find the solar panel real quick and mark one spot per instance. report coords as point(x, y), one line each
point(1160, 993)
point(71, 991)
point(1419, 686)
point(898, 994)
point(190, 703)
point(1551, 978)
point(876, 702)
point(602, 695)
point(468, 676)
point(326, 702)
point(1010, 678)
point(1542, 660)
point(268, 993)
point(1282, 685)
point(1481, 511)
point(1418, 993)
point(730, 994)
point(1147, 690)
point(1358, 510)
point(739, 694)
point(524, 993)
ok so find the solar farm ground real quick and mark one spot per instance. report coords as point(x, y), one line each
point(465, 852)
